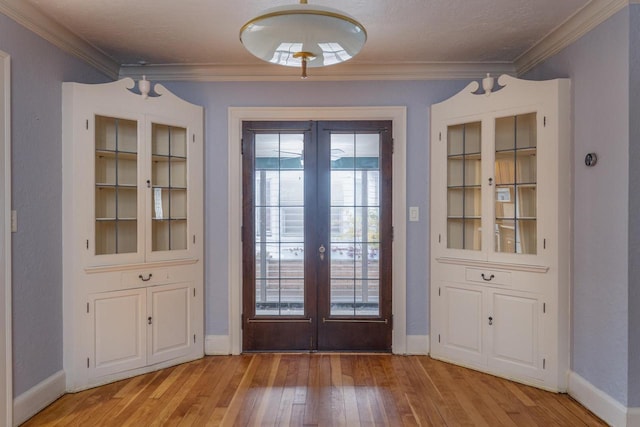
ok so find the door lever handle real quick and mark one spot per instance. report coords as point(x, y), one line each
point(321, 251)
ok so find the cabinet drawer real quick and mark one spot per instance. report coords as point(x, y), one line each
point(145, 277)
point(493, 277)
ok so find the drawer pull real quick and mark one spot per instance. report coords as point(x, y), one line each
point(485, 279)
point(147, 279)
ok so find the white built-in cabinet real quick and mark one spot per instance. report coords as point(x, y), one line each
point(132, 231)
point(500, 242)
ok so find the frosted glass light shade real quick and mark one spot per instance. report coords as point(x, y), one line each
point(288, 34)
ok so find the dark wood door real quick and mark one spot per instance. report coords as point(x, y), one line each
point(317, 236)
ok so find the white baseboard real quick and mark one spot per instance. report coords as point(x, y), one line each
point(418, 344)
point(604, 406)
point(38, 397)
point(217, 345)
point(633, 417)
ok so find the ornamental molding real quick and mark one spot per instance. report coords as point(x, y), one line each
point(580, 23)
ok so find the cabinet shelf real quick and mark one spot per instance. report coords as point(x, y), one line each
point(105, 185)
point(464, 217)
point(170, 219)
point(112, 154)
point(462, 187)
point(466, 156)
point(167, 157)
point(519, 184)
point(524, 150)
point(519, 218)
point(169, 187)
point(106, 219)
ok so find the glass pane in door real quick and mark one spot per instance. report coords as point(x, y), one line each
point(169, 183)
point(355, 224)
point(279, 224)
point(464, 208)
point(516, 184)
point(116, 187)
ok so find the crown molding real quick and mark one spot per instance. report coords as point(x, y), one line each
point(584, 20)
point(31, 18)
point(342, 72)
point(577, 25)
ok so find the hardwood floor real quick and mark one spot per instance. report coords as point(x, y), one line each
point(315, 390)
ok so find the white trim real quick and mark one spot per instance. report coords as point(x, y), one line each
point(580, 23)
point(398, 115)
point(633, 414)
point(5, 262)
point(38, 397)
point(31, 18)
point(604, 406)
point(217, 345)
point(594, 13)
point(343, 72)
point(418, 344)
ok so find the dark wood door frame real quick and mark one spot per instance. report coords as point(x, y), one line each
point(300, 332)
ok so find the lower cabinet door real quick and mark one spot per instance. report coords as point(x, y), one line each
point(514, 335)
point(461, 335)
point(118, 331)
point(169, 322)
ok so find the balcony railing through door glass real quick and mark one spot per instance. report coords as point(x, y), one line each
point(279, 224)
point(355, 224)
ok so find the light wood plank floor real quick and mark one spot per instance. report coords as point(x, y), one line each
point(315, 390)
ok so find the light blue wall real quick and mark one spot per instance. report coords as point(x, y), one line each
point(37, 70)
point(598, 65)
point(605, 283)
point(634, 207)
point(217, 97)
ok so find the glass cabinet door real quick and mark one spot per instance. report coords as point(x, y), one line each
point(116, 188)
point(515, 190)
point(464, 186)
point(169, 187)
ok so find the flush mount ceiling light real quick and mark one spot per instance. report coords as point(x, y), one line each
point(304, 36)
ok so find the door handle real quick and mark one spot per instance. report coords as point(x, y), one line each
point(321, 251)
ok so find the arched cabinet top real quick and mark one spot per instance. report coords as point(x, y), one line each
point(125, 94)
point(508, 92)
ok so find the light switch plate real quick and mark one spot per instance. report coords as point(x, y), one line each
point(414, 213)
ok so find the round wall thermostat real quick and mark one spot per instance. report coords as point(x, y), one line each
point(590, 159)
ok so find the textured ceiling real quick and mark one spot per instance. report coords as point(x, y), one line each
point(399, 31)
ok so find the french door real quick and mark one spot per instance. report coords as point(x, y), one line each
point(317, 236)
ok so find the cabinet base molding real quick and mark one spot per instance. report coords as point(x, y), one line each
point(217, 345)
point(418, 344)
point(600, 403)
point(518, 379)
point(96, 382)
point(38, 397)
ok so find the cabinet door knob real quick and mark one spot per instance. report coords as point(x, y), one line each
point(149, 320)
point(487, 279)
point(490, 320)
point(490, 181)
